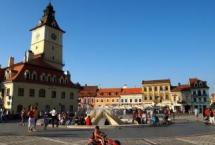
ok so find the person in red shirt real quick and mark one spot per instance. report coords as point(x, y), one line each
point(31, 119)
point(207, 113)
point(88, 121)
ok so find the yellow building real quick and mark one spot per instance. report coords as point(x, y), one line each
point(40, 80)
point(108, 97)
point(157, 92)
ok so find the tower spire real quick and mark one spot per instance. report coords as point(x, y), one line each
point(48, 18)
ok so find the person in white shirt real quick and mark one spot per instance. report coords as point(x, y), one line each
point(196, 113)
point(54, 117)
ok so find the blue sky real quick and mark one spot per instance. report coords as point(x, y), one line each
point(116, 42)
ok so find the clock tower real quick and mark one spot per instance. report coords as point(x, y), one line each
point(47, 39)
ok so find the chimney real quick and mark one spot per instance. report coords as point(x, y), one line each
point(11, 61)
point(28, 56)
point(0, 66)
point(179, 84)
point(68, 75)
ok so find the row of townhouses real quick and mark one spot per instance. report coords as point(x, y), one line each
point(183, 97)
point(39, 79)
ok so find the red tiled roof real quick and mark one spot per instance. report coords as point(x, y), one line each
point(38, 61)
point(40, 67)
point(184, 87)
point(193, 81)
point(155, 81)
point(109, 92)
point(128, 91)
point(88, 91)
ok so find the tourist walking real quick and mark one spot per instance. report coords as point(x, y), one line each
point(211, 118)
point(36, 116)
point(46, 120)
point(31, 119)
point(196, 113)
point(143, 118)
point(22, 116)
point(53, 113)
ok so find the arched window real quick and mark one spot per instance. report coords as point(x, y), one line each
point(42, 77)
point(49, 78)
point(65, 81)
point(54, 80)
point(204, 93)
point(7, 74)
point(61, 80)
point(199, 93)
point(34, 75)
point(27, 74)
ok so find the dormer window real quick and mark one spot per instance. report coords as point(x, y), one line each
point(54, 79)
point(7, 74)
point(34, 76)
point(61, 80)
point(200, 84)
point(42, 77)
point(49, 78)
point(66, 81)
point(27, 74)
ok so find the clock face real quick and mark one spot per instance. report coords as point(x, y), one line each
point(53, 36)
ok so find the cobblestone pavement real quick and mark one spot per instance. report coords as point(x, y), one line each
point(33, 140)
point(181, 133)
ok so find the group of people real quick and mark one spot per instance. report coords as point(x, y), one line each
point(151, 116)
point(33, 116)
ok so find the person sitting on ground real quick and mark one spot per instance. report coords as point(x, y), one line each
point(97, 137)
